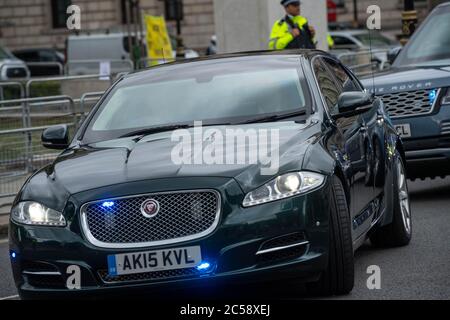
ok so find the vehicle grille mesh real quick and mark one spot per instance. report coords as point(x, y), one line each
point(149, 276)
point(17, 72)
point(405, 104)
point(181, 215)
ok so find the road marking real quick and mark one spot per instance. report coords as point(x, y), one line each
point(9, 298)
point(3, 241)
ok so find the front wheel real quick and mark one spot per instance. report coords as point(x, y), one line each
point(338, 279)
point(399, 232)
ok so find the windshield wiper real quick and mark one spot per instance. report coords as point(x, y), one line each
point(275, 117)
point(144, 132)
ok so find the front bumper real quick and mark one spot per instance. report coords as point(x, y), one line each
point(428, 149)
point(44, 254)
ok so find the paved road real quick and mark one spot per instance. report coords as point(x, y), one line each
point(419, 271)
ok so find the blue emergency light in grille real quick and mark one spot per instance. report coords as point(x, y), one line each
point(181, 216)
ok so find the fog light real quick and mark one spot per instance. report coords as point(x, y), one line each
point(204, 266)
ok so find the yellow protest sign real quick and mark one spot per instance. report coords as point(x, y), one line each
point(158, 41)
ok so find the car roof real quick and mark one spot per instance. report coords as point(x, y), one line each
point(100, 36)
point(444, 4)
point(307, 53)
point(348, 32)
point(35, 49)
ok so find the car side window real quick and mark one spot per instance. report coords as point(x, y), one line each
point(343, 41)
point(47, 56)
point(28, 56)
point(342, 76)
point(327, 85)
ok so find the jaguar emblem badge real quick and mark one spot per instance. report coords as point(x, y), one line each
point(150, 208)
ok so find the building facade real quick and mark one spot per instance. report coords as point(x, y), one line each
point(41, 23)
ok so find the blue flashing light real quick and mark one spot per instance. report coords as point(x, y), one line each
point(432, 95)
point(108, 204)
point(13, 255)
point(204, 266)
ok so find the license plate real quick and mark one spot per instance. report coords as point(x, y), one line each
point(404, 130)
point(150, 261)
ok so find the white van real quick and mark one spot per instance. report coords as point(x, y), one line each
point(85, 53)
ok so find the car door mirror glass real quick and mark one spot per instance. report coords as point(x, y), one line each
point(393, 54)
point(353, 103)
point(56, 137)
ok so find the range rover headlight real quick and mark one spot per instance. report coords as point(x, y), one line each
point(34, 213)
point(446, 98)
point(284, 186)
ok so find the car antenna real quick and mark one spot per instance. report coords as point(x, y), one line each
point(371, 62)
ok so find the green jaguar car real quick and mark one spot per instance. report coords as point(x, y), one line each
point(239, 169)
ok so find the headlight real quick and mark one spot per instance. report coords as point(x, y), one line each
point(446, 97)
point(284, 186)
point(33, 213)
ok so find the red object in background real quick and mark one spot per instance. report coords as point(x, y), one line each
point(332, 11)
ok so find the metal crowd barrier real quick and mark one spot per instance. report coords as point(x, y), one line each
point(82, 67)
point(64, 78)
point(12, 84)
point(21, 122)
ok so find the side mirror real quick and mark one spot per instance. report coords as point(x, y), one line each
point(353, 103)
point(56, 137)
point(393, 54)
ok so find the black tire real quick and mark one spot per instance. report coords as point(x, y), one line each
point(338, 279)
point(397, 233)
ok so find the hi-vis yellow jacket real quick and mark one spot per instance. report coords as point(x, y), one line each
point(281, 34)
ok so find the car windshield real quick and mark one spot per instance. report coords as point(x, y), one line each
point(216, 92)
point(431, 45)
point(375, 39)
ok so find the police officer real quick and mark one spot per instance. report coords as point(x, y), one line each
point(293, 31)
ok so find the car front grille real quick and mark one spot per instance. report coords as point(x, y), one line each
point(406, 104)
point(120, 223)
point(149, 276)
point(16, 72)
